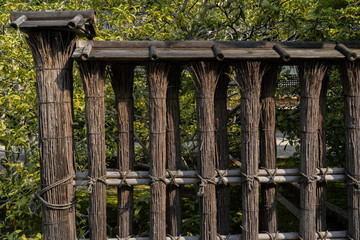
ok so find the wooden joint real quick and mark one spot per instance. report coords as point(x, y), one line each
point(153, 53)
point(16, 24)
point(219, 55)
point(86, 52)
point(350, 55)
point(73, 23)
point(285, 56)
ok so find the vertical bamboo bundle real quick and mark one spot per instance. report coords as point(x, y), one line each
point(222, 153)
point(52, 56)
point(173, 155)
point(157, 74)
point(206, 75)
point(249, 75)
point(321, 163)
point(351, 83)
point(311, 75)
point(268, 148)
point(122, 77)
point(92, 74)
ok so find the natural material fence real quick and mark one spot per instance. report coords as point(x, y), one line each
point(52, 36)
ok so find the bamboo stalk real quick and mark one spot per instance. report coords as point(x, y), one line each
point(122, 76)
point(351, 82)
point(157, 81)
point(269, 209)
point(93, 78)
point(249, 76)
point(205, 76)
point(230, 173)
point(55, 115)
point(311, 76)
point(173, 154)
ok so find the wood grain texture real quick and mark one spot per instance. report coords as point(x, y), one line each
point(205, 76)
point(122, 78)
point(55, 117)
point(222, 152)
point(269, 221)
point(157, 75)
point(93, 78)
point(351, 81)
point(311, 75)
point(321, 163)
point(173, 154)
point(249, 76)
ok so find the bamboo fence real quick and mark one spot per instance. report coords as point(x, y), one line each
point(256, 65)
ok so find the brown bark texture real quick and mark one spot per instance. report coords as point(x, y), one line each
point(269, 209)
point(122, 78)
point(311, 74)
point(205, 76)
point(173, 155)
point(321, 163)
point(51, 52)
point(248, 76)
point(157, 75)
point(93, 78)
point(351, 82)
point(222, 152)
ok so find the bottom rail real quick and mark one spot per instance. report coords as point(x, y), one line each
point(339, 235)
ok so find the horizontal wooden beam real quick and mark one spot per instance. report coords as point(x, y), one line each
point(80, 22)
point(143, 51)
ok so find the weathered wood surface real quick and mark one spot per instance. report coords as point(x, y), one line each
point(205, 76)
point(122, 77)
point(321, 163)
point(222, 152)
point(311, 75)
point(55, 117)
point(54, 15)
point(351, 81)
point(249, 76)
point(93, 78)
point(157, 75)
point(269, 209)
point(173, 154)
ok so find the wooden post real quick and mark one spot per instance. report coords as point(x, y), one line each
point(122, 77)
point(157, 73)
point(205, 76)
point(92, 74)
point(249, 76)
point(351, 81)
point(173, 154)
point(222, 153)
point(269, 221)
point(311, 75)
point(321, 163)
point(54, 84)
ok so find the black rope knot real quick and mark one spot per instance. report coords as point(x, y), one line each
point(92, 181)
point(308, 180)
point(353, 182)
point(222, 176)
point(271, 175)
point(203, 183)
point(322, 236)
point(173, 177)
point(323, 175)
point(123, 176)
point(271, 235)
point(249, 179)
point(154, 180)
point(60, 206)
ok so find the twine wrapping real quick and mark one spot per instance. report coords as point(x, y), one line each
point(308, 179)
point(154, 180)
point(123, 176)
point(353, 182)
point(203, 183)
point(92, 181)
point(323, 175)
point(173, 178)
point(222, 177)
point(249, 179)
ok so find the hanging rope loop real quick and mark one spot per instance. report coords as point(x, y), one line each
point(33, 207)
